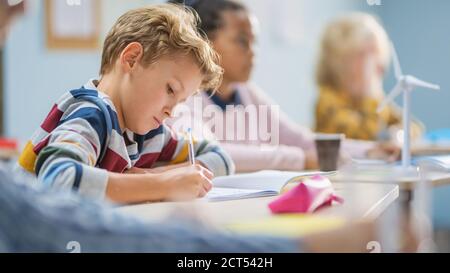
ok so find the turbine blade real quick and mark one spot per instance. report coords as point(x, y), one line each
point(392, 95)
point(419, 83)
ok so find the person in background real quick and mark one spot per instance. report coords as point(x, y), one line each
point(354, 56)
point(230, 27)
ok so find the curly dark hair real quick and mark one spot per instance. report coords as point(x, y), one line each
point(210, 12)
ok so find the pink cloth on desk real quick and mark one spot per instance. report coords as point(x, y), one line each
point(250, 155)
point(308, 196)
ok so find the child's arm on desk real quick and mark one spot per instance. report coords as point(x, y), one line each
point(183, 183)
point(69, 156)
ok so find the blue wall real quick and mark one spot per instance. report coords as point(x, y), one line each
point(35, 77)
point(421, 32)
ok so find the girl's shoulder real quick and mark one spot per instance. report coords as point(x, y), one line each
point(251, 93)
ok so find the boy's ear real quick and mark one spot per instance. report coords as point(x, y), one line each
point(131, 56)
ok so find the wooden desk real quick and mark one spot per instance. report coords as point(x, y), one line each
point(372, 200)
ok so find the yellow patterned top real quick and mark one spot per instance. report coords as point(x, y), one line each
point(337, 112)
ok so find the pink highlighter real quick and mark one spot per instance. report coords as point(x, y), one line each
point(311, 194)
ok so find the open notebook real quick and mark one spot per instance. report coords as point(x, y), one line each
point(250, 185)
point(441, 162)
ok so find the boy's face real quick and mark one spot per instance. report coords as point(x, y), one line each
point(235, 44)
point(149, 95)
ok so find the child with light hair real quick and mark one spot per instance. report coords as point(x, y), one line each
point(354, 56)
point(107, 138)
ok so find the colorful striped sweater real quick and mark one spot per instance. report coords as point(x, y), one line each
point(80, 141)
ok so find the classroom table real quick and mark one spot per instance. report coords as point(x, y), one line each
point(407, 183)
point(362, 201)
point(430, 149)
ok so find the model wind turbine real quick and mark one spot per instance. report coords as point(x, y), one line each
point(405, 84)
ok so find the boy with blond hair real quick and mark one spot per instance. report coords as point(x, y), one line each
point(107, 139)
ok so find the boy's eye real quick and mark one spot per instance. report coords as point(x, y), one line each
point(170, 90)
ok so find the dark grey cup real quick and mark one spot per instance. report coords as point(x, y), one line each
point(328, 147)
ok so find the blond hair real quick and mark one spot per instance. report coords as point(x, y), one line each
point(343, 36)
point(162, 30)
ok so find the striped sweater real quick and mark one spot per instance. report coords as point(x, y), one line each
point(80, 141)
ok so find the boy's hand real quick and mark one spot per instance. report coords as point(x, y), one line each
point(186, 183)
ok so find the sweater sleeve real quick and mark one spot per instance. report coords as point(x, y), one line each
point(67, 160)
point(208, 152)
point(250, 158)
point(291, 133)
